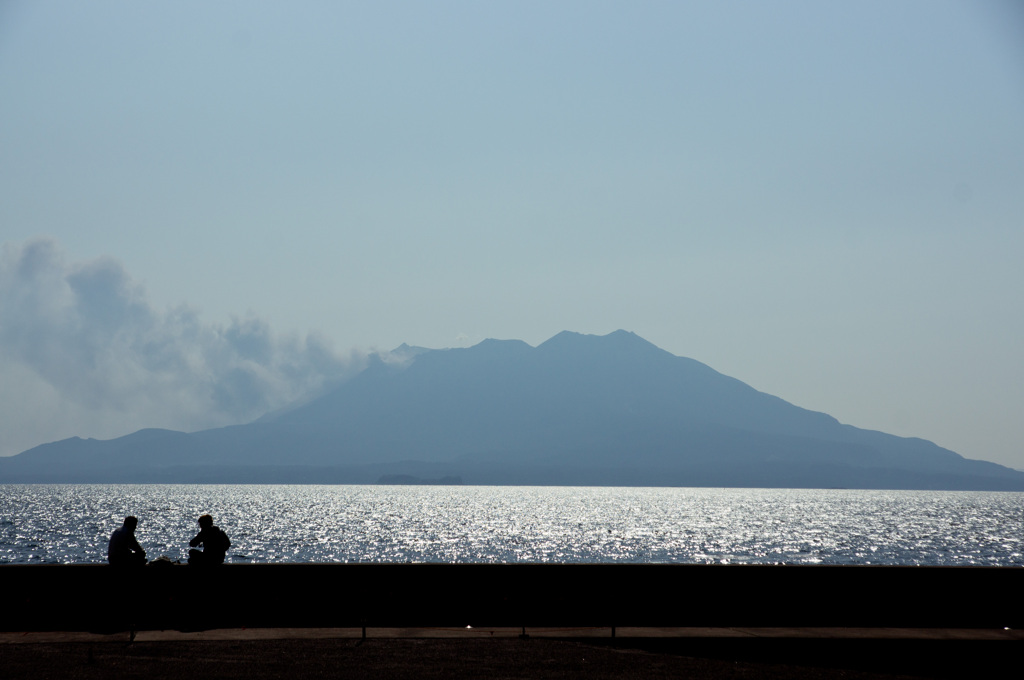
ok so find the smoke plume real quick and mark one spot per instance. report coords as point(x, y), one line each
point(82, 352)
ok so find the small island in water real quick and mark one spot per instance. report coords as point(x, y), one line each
point(397, 480)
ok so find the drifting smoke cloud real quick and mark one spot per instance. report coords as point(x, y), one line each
point(82, 352)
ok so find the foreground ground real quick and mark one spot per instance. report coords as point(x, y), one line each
point(501, 653)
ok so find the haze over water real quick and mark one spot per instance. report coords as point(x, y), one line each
point(267, 523)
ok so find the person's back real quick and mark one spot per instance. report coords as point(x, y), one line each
point(214, 541)
point(215, 544)
point(123, 548)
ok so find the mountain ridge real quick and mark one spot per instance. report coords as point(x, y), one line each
point(575, 409)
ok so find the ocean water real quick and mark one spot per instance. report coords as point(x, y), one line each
point(269, 523)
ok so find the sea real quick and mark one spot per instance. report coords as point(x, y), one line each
point(71, 524)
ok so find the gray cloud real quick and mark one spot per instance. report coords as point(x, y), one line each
point(82, 352)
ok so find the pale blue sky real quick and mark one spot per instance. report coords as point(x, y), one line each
point(822, 199)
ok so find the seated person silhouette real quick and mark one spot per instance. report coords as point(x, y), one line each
point(124, 549)
point(214, 541)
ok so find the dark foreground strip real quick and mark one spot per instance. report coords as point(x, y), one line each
point(533, 657)
point(100, 598)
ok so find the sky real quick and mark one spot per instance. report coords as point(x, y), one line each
point(209, 210)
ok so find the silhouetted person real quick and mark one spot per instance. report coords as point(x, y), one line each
point(123, 549)
point(214, 541)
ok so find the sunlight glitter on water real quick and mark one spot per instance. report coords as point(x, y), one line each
point(71, 524)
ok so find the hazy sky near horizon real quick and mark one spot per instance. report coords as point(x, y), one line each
point(210, 209)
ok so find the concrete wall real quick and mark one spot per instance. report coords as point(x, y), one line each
point(101, 598)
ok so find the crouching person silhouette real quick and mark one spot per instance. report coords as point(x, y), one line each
point(124, 550)
point(214, 541)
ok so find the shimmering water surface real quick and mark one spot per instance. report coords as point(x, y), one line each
point(71, 524)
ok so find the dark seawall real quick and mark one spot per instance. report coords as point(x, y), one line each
point(100, 598)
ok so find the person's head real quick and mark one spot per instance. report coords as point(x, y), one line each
point(205, 522)
point(131, 522)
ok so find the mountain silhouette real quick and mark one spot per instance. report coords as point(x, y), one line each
point(576, 409)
